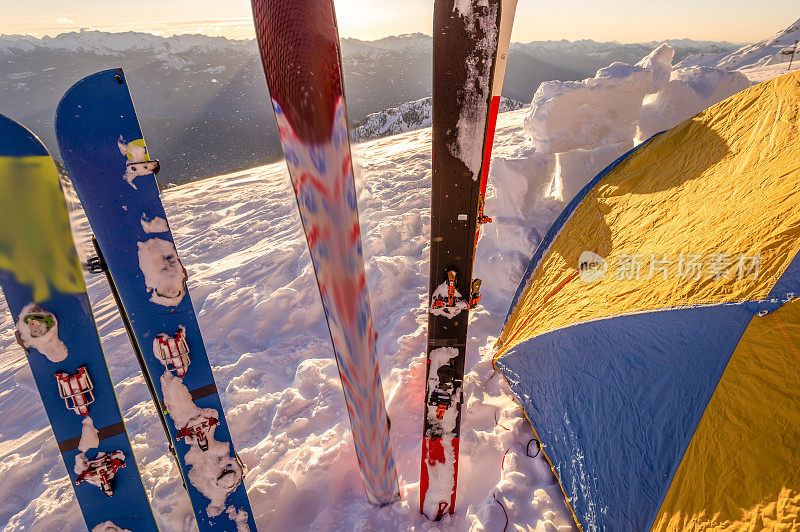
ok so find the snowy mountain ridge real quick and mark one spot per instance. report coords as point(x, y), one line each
point(592, 46)
point(103, 42)
point(90, 40)
point(409, 117)
point(774, 50)
point(396, 43)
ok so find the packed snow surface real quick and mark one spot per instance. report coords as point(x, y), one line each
point(253, 288)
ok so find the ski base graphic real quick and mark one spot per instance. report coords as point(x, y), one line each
point(299, 45)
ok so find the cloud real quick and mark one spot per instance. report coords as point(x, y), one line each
point(64, 20)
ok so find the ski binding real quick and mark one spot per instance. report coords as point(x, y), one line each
point(482, 218)
point(143, 167)
point(76, 390)
point(139, 162)
point(173, 351)
point(442, 390)
point(446, 300)
point(198, 428)
point(102, 470)
point(475, 293)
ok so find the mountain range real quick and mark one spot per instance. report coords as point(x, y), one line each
point(202, 101)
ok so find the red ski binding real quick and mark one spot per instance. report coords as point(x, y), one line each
point(441, 399)
point(102, 470)
point(174, 352)
point(451, 289)
point(198, 428)
point(76, 390)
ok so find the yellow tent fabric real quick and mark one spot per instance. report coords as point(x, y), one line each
point(744, 136)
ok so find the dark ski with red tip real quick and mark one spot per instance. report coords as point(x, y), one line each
point(470, 47)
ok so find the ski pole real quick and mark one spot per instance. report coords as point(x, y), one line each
point(99, 265)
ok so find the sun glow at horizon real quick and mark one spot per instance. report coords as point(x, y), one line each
point(611, 20)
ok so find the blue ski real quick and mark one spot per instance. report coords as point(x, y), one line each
point(107, 159)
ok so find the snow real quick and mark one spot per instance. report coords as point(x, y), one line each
point(253, 288)
point(473, 96)
point(773, 51)
point(659, 62)
point(34, 334)
point(21, 75)
point(163, 272)
point(89, 438)
point(240, 518)
point(108, 526)
point(603, 110)
point(690, 90)
point(579, 127)
point(156, 225)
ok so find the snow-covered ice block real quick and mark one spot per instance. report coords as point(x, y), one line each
point(585, 114)
point(690, 90)
point(659, 61)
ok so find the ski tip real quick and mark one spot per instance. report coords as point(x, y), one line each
point(63, 109)
point(17, 140)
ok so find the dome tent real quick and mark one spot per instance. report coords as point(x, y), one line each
point(654, 341)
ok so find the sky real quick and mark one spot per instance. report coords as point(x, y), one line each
point(601, 20)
